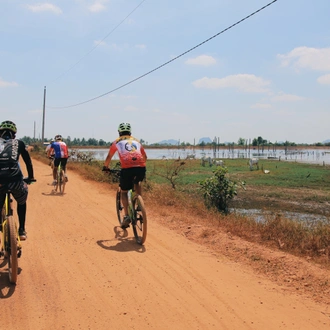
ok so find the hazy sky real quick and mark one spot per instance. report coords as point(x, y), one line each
point(268, 76)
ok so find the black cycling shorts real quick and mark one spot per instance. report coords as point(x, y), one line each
point(63, 162)
point(130, 176)
point(18, 189)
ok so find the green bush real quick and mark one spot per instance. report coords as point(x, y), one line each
point(219, 189)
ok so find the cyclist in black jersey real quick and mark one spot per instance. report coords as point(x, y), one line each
point(11, 176)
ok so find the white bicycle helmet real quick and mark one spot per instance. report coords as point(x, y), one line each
point(124, 127)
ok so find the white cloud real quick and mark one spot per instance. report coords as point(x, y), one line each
point(324, 80)
point(4, 83)
point(261, 106)
point(141, 46)
point(307, 58)
point(100, 43)
point(98, 6)
point(40, 7)
point(203, 60)
point(131, 108)
point(281, 97)
point(244, 82)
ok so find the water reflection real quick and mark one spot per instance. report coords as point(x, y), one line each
point(312, 156)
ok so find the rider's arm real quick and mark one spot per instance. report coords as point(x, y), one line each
point(144, 155)
point(49, 151)
point(26, 157)
point(111, 152)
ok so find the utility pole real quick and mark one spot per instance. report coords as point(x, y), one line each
point(43, 118)
point(34, 131)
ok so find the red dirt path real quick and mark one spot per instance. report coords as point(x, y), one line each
point(79, 270)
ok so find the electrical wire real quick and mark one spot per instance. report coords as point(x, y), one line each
point(168, 62)
point(72, 66)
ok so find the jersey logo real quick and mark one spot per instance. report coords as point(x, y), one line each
point(131, 146)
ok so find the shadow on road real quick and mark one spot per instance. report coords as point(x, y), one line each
point(6, 288)
point(53, 193)
point(121, 242)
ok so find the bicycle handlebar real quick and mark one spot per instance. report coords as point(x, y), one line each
point(114, 171)
point(28, 180)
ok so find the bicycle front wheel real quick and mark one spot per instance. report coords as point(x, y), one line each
point(11, 249)
point(139, 223)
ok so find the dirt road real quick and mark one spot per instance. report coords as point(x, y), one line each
point(79, 270)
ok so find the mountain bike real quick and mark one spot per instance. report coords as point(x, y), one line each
point(136, 211)
point(10, 245)
point(60, 180)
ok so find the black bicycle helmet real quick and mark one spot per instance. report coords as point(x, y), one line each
point(58, 137)
point(8, 125)
point(8, 130)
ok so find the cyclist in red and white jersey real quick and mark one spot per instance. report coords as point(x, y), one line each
point(133, 159)
point(61, 155)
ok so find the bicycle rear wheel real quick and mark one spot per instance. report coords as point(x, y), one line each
point(119, 207)
point(11, 249)
point(139, 223)
point(62, 182)
point(57, 186)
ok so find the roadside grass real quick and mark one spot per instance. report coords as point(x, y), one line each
point(285, 181)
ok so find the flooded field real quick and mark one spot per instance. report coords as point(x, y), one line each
point(311, 156)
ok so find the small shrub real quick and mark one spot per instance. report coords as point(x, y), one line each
point(171, 170)
point(219, 189)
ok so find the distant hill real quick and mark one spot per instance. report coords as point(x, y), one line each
point(326, 141)
point(173, 142)
point(205, 140)
point(169, 142)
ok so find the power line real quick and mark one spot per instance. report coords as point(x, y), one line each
point(72, 66)
point(168, 62)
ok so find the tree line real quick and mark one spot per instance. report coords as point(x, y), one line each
point(258, 141)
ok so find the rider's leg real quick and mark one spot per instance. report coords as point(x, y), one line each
point(140, 176)
point(21, 211)
point(63, 164)
point(138, 188)
point(124, 200)
point(20, 193)
point(56, 164)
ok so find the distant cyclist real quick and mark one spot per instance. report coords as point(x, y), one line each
point(133, 159)
point(51, 156)
point(61, 155)
point(11, 176)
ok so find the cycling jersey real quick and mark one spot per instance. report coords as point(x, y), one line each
point(52, 150)
point(10, 150)
point(60, 149)
point(130, 150)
